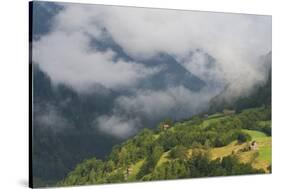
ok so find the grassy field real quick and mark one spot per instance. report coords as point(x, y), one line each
point(264, 144)
point(216, 115)
point(263, 159)
point(255, 134)
point(226, 150)
point(265, 148)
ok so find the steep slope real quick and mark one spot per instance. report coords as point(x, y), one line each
point(196, 147)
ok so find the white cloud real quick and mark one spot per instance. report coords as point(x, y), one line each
point(177, 101)
point(203, 65)
point(129, 112)
point(117, 126)
point(236, 41)
point(67, 58)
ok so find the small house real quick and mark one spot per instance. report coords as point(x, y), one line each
point(166, 126)
point(254, 145)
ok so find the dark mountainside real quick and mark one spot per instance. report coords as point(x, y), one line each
point(63, 133)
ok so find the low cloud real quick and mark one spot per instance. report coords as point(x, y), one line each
point(204, 66)
point(117, 125)
point(147, 107)
point(48, 117)
point(178, 102)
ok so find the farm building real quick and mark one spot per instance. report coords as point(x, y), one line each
point(166, 126)
point(254, 145)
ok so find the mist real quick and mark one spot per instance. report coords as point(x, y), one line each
point(218, 48)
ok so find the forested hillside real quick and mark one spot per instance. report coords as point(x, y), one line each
point(220, 144)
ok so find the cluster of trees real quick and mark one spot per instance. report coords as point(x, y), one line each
point(192, 135)
point(216, 134)
point(198, 165)
point(93, 171)
point(251, 119)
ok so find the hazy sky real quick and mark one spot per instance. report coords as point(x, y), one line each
point(66, 53)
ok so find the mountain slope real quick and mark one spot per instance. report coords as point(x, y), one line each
point(193, 148)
